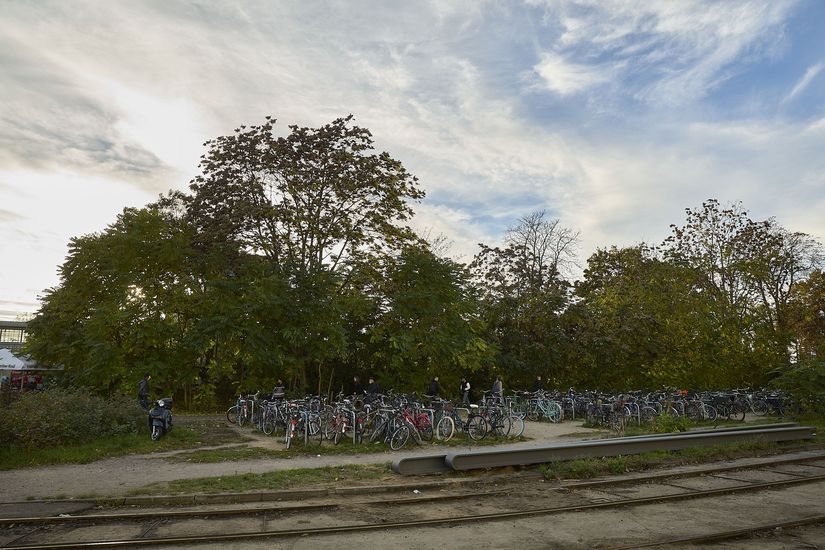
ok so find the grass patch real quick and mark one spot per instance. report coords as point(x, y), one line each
point(181, 437)
point(83, 453)
point(586, 468)
point(270, 481)
point(225, 455)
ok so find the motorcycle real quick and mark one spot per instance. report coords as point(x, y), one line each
point(160, 418)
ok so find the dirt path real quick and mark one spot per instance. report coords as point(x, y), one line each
point(116, 476)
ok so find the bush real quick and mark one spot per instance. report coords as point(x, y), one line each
point(62, 416)
point(804, 382)
point(666, 423)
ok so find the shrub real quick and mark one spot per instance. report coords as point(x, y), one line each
point(666, 423)
point(804, 382)
point(61, 416)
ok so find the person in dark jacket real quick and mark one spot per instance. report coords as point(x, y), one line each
point(373, 388)
point(537, 385)
point(357, 388)
point(143, 391)
point(435, 388)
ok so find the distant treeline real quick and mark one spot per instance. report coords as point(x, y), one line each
point(290, 258)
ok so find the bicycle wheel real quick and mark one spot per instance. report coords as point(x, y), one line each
point(415, 433)
point(268, 425)
point(316, 434)
point(380, 432)
point(328, 425)
point(760, 407)
point(710, 413)
point(290, 434)
point(399, 437)
point(517, 426)
point(501, 425)
point(445, 428)
point(693, 412)
point(648, 414)
point(736, 412)
point(554, 412)
point(476, 427)
point(232, 414)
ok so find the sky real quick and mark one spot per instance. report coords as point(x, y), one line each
point(612, 116)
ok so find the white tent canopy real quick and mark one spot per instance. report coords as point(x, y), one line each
point(9, 361)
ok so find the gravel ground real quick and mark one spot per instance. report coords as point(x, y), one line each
point(116, 476)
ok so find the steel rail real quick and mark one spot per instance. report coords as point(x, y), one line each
point(723, 535)
point(651, 476)
point(687, 495)
point(442, 463)
point(229, 512)
point(416, 500)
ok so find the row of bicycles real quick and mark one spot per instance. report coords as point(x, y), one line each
point(394, 420)
point(617, 410)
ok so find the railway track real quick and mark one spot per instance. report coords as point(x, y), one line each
point(738, 487)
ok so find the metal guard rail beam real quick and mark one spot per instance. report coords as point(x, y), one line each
point(587, 449)
point(596, 448)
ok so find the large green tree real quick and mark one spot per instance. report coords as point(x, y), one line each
point(320, 207)
point(428, 323)
point(523, 294)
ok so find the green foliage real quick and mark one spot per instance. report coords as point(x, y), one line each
point(804, 382)
point(667, 423)
point(64, 416)
point(290, 258)
point(430, 325)
point(523, 296)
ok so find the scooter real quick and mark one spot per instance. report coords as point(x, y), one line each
point(160, 418)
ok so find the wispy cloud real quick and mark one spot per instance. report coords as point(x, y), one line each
point(8, 216)
point(564, 77)
point(804, 82)
point(669, 53)
point(611, 131)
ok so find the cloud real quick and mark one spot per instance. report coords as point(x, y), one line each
point(609, 133)
point(8, 216)
point(666, 53)
point(803, 82)
point(564, 77)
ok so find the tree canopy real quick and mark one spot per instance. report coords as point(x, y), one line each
point(290, 258)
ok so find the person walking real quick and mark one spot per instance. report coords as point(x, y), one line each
point(143, 392)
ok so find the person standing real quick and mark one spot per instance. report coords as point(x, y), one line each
point(357, 388)
point(465, 392)
point(537, 385)
point(279, 391)
point(143, 392)
point(373, 388)
point(435, 388)
point(497, 389)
